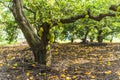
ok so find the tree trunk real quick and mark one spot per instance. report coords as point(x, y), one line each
point(91, 40)
point(41, 52)
point(72, 40)
point(37, 44)
point(111, 39)
point(100, 37)
point(84, 40)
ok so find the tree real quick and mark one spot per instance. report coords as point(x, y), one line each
point(9, 28)
point(87, 27)
point(68, 32)
point(107, 27)
point(11, 36)
point(39, 41)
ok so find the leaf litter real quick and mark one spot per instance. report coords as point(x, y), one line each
point(69, 62)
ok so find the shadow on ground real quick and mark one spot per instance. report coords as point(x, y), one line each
point(69, 62)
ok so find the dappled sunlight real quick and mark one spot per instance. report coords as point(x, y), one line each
point(59, 40)
point(69, 61)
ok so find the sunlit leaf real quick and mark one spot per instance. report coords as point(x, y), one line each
point(88, 73)
point(28, 73)
point(34, 65)
point(63, 75)
point(15, 65)
point(74, 77)
point(108, 72)
point(31, 78)
point(68, 78)
point(108, 63)
point(1, 64)
point(93, 77)
point(118, 73)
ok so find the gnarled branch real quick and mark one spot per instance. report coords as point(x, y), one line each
point(25, 26)
point(30, 10)
point(77, 17)
point(100, 16)
point(68, 20)
point(114, 7)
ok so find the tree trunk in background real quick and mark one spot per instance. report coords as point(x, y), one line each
point(100, 37)
point(84, 40)
point(111, 39)
point(72, 40)
point(91, 40)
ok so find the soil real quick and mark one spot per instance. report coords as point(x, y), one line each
point(70, 61)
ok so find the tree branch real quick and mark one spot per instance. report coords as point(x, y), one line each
point(28, 9)
point(114, 7)
point(77, 17)
point(7, 6)
point(100, 16)
point(27, 29)
point(72, 19)
point(68, 20)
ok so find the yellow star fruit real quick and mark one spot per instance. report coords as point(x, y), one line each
point(40, 31)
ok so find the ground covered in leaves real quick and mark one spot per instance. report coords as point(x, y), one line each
point(69, 62)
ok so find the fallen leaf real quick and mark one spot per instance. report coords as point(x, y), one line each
point(88, 73)
point(34, 65)
point(15, 65)
point(108, 72)
point(63, 75)
point(68, 78)
point(28, 73)
point(93, 77)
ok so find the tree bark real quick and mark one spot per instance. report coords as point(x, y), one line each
point(111, 39)
point(28, 31)
point(37, 44)
point(84, 40)
point(114, 7)
point(72, 40)
point(100, 37)
point(91, 40)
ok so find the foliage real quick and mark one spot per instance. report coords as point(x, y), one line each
point(11, 31)
point(40, 11)
point(9, 28)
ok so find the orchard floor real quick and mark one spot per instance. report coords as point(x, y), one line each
point(69, 62)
